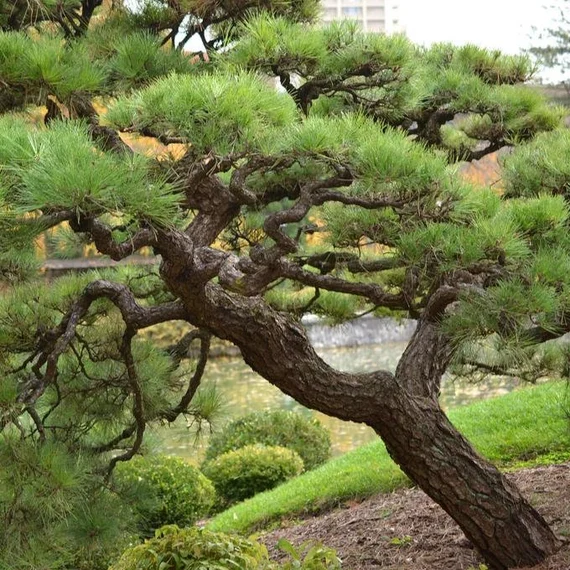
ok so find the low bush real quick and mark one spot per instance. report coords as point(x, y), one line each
point(196, 549)
point(305, 436)
point(240, 474)
point(164, 490)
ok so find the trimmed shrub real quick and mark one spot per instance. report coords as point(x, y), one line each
point(198, 549)
point(305, 436)
point(240, 474)
point(194, 549)
point(164, 490)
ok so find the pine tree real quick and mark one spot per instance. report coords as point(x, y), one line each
point(319, 174)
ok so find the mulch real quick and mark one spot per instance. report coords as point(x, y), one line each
point(406, 530)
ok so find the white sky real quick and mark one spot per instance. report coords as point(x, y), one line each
point(501, 24)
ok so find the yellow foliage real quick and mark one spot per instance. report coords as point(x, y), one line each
point(484, 172)
point(153, 148)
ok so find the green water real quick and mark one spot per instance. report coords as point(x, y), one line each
point(245, 392)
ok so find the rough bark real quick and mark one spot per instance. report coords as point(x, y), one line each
point(492, 513)
point(503, 526)
point(494, 516)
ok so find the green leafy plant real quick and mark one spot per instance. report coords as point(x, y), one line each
point(240, 474)
point(309, 556)
point(400, 541)
point(164, 490)
point(173, 548)
point(305, 436)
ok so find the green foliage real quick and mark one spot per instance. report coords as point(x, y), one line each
point(252, 469)
point(54, 514)
point(194, 549)
point(337, 307)
point(384, 161)
point(309, 556)
point(307, 437)
point(207, 110)
point(164, 490)
point(136, 61)
point(197, 549)
point(539, 167)
point(36, 67)
point(444, 246)
point(59, 169)
point(336, 52)
point(21, 15)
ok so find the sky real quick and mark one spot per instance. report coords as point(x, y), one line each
point(501, 24)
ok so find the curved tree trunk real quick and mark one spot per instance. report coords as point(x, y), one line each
point(491, 512)
point(402, 408)
point(503, 526)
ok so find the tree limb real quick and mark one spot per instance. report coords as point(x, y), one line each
point(56, 341)
point(102, 236)
point(138, 403)
point(194, 383)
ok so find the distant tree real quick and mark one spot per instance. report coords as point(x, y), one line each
point(358, 148)
point(554, 42)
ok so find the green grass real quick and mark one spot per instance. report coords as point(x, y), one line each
point(528, 426)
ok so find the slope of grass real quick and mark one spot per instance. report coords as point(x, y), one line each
point(529, 424)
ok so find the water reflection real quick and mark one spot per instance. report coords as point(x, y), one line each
point(244, 391)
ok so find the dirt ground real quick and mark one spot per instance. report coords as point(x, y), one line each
point(406, 530)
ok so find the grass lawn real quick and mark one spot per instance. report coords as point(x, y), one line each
point(528, 426)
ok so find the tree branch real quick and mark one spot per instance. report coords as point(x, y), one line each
point(374, 293)
point(102, 236)
point(178, 353)
point(330, 260)
point(55, 342)
point(138, 403)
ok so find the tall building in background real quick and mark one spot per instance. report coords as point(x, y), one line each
point(372, 15)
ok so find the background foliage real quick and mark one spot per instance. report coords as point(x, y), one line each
point(305, 436)
point(251, 469)
point(164, 490)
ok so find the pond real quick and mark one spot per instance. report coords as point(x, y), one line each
point(245, 392)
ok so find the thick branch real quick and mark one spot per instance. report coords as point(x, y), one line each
point(327, 262)
point(102, 236)
point(268, 339)
point(374, 293)
point(429, 351)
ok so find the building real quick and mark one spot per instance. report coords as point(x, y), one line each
point(372, 15)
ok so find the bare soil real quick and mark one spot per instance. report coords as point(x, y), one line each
point(406, 530)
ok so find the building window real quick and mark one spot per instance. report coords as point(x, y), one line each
point(352, 11)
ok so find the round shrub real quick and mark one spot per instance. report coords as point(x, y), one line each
point(240, 474)
point(287, 429)
point(194, 549)
point(164, 490)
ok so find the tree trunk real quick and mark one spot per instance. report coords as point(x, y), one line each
point(401, 408)
point(494, 516)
